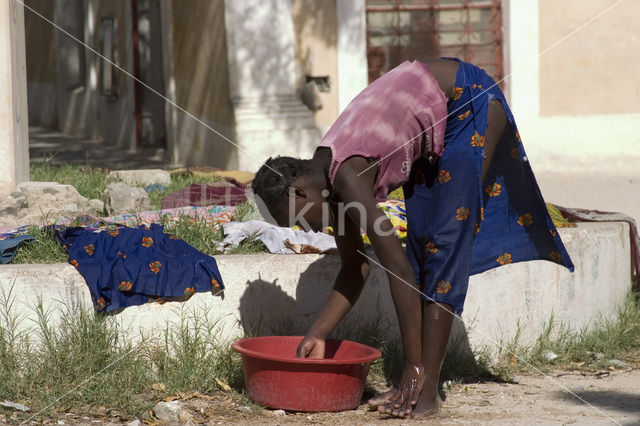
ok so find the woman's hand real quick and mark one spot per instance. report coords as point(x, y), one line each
point(405, 396)
point(311, 347)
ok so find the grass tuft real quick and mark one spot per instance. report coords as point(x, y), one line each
point(89, 181)
point(44, 249)
point(250, 245)
point(199, 232)
point(192, 357)
point(81, 361)
point(594, 345)
point(246, 211)
point(588, 348)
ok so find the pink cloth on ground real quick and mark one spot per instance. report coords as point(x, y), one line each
point(397, 119)
point(226, 193)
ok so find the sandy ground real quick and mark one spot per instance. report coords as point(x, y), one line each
point(613, 396)
point(599, 398)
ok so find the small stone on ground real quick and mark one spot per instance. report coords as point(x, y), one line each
point(120, 198)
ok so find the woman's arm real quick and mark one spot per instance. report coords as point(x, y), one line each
point(356, 188)
point(346, 290)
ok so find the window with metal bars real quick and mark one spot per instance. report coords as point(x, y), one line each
point(399, 30)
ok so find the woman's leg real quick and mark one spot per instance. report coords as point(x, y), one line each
point(438, 317)
point(497, 124)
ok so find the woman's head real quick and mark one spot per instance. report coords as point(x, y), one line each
point(292, 191)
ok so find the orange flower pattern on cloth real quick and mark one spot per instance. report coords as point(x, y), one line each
point(155, 266)
point(477, 140)
point(457, 93)
point(443, 287)
point(525, 220)
point(462, 213)
point(125, 286)
point(505, 259)
point(518, 136)
point(113, 232)
point(173, 237)
point(444, 176)
point(556, 256)
point(189, 291)
point(464, 115)
point(494, 190)
point(515, 153)
point(101, 304)
point(472, 221)
point(553, 233)
point(431, 248)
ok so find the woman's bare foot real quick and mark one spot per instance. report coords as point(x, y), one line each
point(380, 400)
point(428, 405)
point(387, 404)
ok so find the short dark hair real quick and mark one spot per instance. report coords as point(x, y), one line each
point(273, 180)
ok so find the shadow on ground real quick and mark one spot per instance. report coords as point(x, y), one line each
point(609, 401)
point(56, 148)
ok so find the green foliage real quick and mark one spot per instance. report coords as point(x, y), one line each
point(44, 249)
point(89, 181)
point(78, 360)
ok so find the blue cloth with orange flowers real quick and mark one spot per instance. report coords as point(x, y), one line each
point(458, 225)
point(131, 266)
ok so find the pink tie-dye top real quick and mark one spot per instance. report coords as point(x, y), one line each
point(397, 119)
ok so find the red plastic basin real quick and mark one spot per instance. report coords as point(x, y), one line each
point(276, 378)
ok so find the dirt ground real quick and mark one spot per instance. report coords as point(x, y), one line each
point(609, 397)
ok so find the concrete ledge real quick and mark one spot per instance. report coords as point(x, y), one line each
point(282, 294)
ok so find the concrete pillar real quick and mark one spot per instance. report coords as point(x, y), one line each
point(72, 98)
point(270, 118)
point(352, 50)
point(170, 111)
point(14, 128)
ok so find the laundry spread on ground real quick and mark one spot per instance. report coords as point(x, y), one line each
point(295, 240)
point(277, 239)
point(227, 193)
point(9, 246)
point(7, 232)
point(132, 266)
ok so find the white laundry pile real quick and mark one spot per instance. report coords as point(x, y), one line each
point(277, 239)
